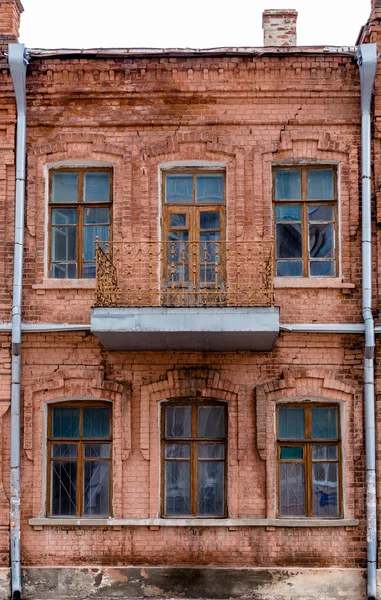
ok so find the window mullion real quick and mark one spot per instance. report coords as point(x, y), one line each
point(308, 478)
point(305, 239)
point(80, 479)
point(194, 478)
point(80, 232)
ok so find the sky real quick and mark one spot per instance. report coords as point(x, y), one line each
point(182, 23)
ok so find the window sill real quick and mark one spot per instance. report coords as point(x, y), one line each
point(312, 282)
point(39, 523)
point(65, 284)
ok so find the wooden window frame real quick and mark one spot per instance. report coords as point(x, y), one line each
point(192, 210)
point(307, 442)
point(80, 459)
point(194, 441)
point(303, 202)
point(80, 206)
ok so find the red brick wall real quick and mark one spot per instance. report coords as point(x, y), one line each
point(137, 113)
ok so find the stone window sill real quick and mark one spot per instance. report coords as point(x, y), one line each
point(39, 523)
point(312, 282)
point(65, 284)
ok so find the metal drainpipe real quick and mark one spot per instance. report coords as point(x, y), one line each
point(17, 60)
point(366, 57)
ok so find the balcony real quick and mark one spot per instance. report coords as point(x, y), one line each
point(179, 295)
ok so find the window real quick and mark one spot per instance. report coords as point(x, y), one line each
point(194, 228)
point(79, 211)
point(193, 449)
point(309, 461)
point(79, 459)
point(305, 206)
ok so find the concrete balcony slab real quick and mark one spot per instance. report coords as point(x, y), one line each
point(213, 329)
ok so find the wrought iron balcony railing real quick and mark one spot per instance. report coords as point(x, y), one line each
point(180, 273)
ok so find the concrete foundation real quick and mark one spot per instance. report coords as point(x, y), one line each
point(54, 583)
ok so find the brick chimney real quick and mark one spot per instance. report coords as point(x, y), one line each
point(10, 12)
point(279, 27)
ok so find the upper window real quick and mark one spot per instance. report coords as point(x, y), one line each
point(309, 460)
point(194, 229)
point(79, 211)
point(193, 450)
point(305, 206)
point(79, 459)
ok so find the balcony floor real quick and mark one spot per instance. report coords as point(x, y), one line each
point(222, 329)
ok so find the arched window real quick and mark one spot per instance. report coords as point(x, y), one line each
point(194, 458)
point(309, 460)
point(79, 459)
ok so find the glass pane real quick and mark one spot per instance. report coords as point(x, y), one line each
point(177, 450)
point(97, 215)
point(179, 189)
point(211, 451)
point(211, 421)
point(321, 213)
point(323, 268)
point(65, 422)
point(64, 187)
point(288, 212)
point(291, 490)
point(64, 243)
point(325, 496)
point(289, 268)
point(288, 184)
point(179, 220)
point(63, 451)
point(90, 233)
point(64, 271)
point(89, 270)
point(324, 452)
point(64, 216)
point(96, 422)
point(209, 220)
point(322, 238)
point(210, 273)
point(97, 186)
point(291, 453)
point(96, 488)
point(288, 241)
point(97, 450)
point(64, 488)
point(178, 273)
point(211, 488)
point(324, 423)
point(177, 488)
point(178, 421)
point(320, 184)
point(291, 423)
point(178, 250)
point(210, 236)
point(209, 189)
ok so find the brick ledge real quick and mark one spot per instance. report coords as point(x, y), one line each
point(39, 523)
point(312, 282)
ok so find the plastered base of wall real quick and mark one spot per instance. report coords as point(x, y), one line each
point(53, 583)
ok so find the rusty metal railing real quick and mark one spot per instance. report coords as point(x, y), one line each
point(181, 273)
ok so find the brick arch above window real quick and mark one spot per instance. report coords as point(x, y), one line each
point(193, 383)
point(310, 147)
point(306, 385)
point(187, 148)
point(69, 149)
point(86, 385)
point(203, 384)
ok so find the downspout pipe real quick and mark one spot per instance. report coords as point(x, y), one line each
point(17, 60)
point(366, 57)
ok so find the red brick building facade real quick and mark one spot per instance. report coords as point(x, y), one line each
point(158, 446)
